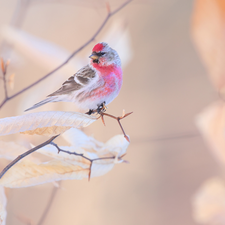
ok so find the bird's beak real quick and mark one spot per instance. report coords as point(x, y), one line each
point(94, 57)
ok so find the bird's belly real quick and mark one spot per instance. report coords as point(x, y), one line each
point(97, 96)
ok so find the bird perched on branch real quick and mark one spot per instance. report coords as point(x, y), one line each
point(95, 85)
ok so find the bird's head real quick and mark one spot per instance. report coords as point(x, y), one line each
point(103, 55)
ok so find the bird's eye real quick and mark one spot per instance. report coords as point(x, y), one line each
point(100, 54)
point(95, 61)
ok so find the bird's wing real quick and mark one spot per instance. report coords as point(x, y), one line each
point(77, 81)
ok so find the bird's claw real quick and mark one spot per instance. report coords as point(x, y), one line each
point(101, 108)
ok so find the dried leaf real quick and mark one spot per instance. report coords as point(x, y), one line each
point(3, 201)
point(11, 81)
point(65, 166)
point(44, 123)
point(209, 202)
point(209, 36)
point(211, 123)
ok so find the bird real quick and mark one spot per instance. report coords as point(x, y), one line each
point(93, 86)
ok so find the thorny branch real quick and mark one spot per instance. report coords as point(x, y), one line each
point(50, 141)
point(109, 15)
point(102, 114)
point(82, 155)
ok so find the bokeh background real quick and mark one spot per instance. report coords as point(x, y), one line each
point(166, 85)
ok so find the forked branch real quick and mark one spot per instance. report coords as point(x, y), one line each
point(102, 114)
point(84, 157)
point(50, 141)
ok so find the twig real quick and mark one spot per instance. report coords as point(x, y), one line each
point(109, 15)
point(81, 155)
point(26, 154)
point(50, 141)
point(102, 114)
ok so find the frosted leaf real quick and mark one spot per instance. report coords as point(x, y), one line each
point(66, 166)
point(26, 173)
point(77, 139)
point(10, 150)
point(44, 123)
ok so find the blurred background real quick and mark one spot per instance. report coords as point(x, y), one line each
point(172, 56)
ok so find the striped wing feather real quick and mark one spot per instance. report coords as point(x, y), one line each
point(76, 82)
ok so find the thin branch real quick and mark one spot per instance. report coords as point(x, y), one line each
point(26, 154)
point(109, 15)
point(3, 102)
point(50, 141)
point(102, 114)
point(81, 155)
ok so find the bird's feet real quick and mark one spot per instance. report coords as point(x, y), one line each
point(91, 111)
point(101, 108)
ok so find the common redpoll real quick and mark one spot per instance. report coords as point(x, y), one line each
point(93, 86)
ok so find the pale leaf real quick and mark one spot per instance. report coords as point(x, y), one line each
point(44, 123)
point(209, 202)
point(91, 148)
point(209, 36)
point(211, 123)
point(26, 174)
point(10, 150)
point(65, 166)
point(79, 139)
point(3, 201)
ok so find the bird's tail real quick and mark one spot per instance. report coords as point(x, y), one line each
point(47, 100)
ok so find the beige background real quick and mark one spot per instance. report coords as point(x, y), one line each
point(165, 85)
